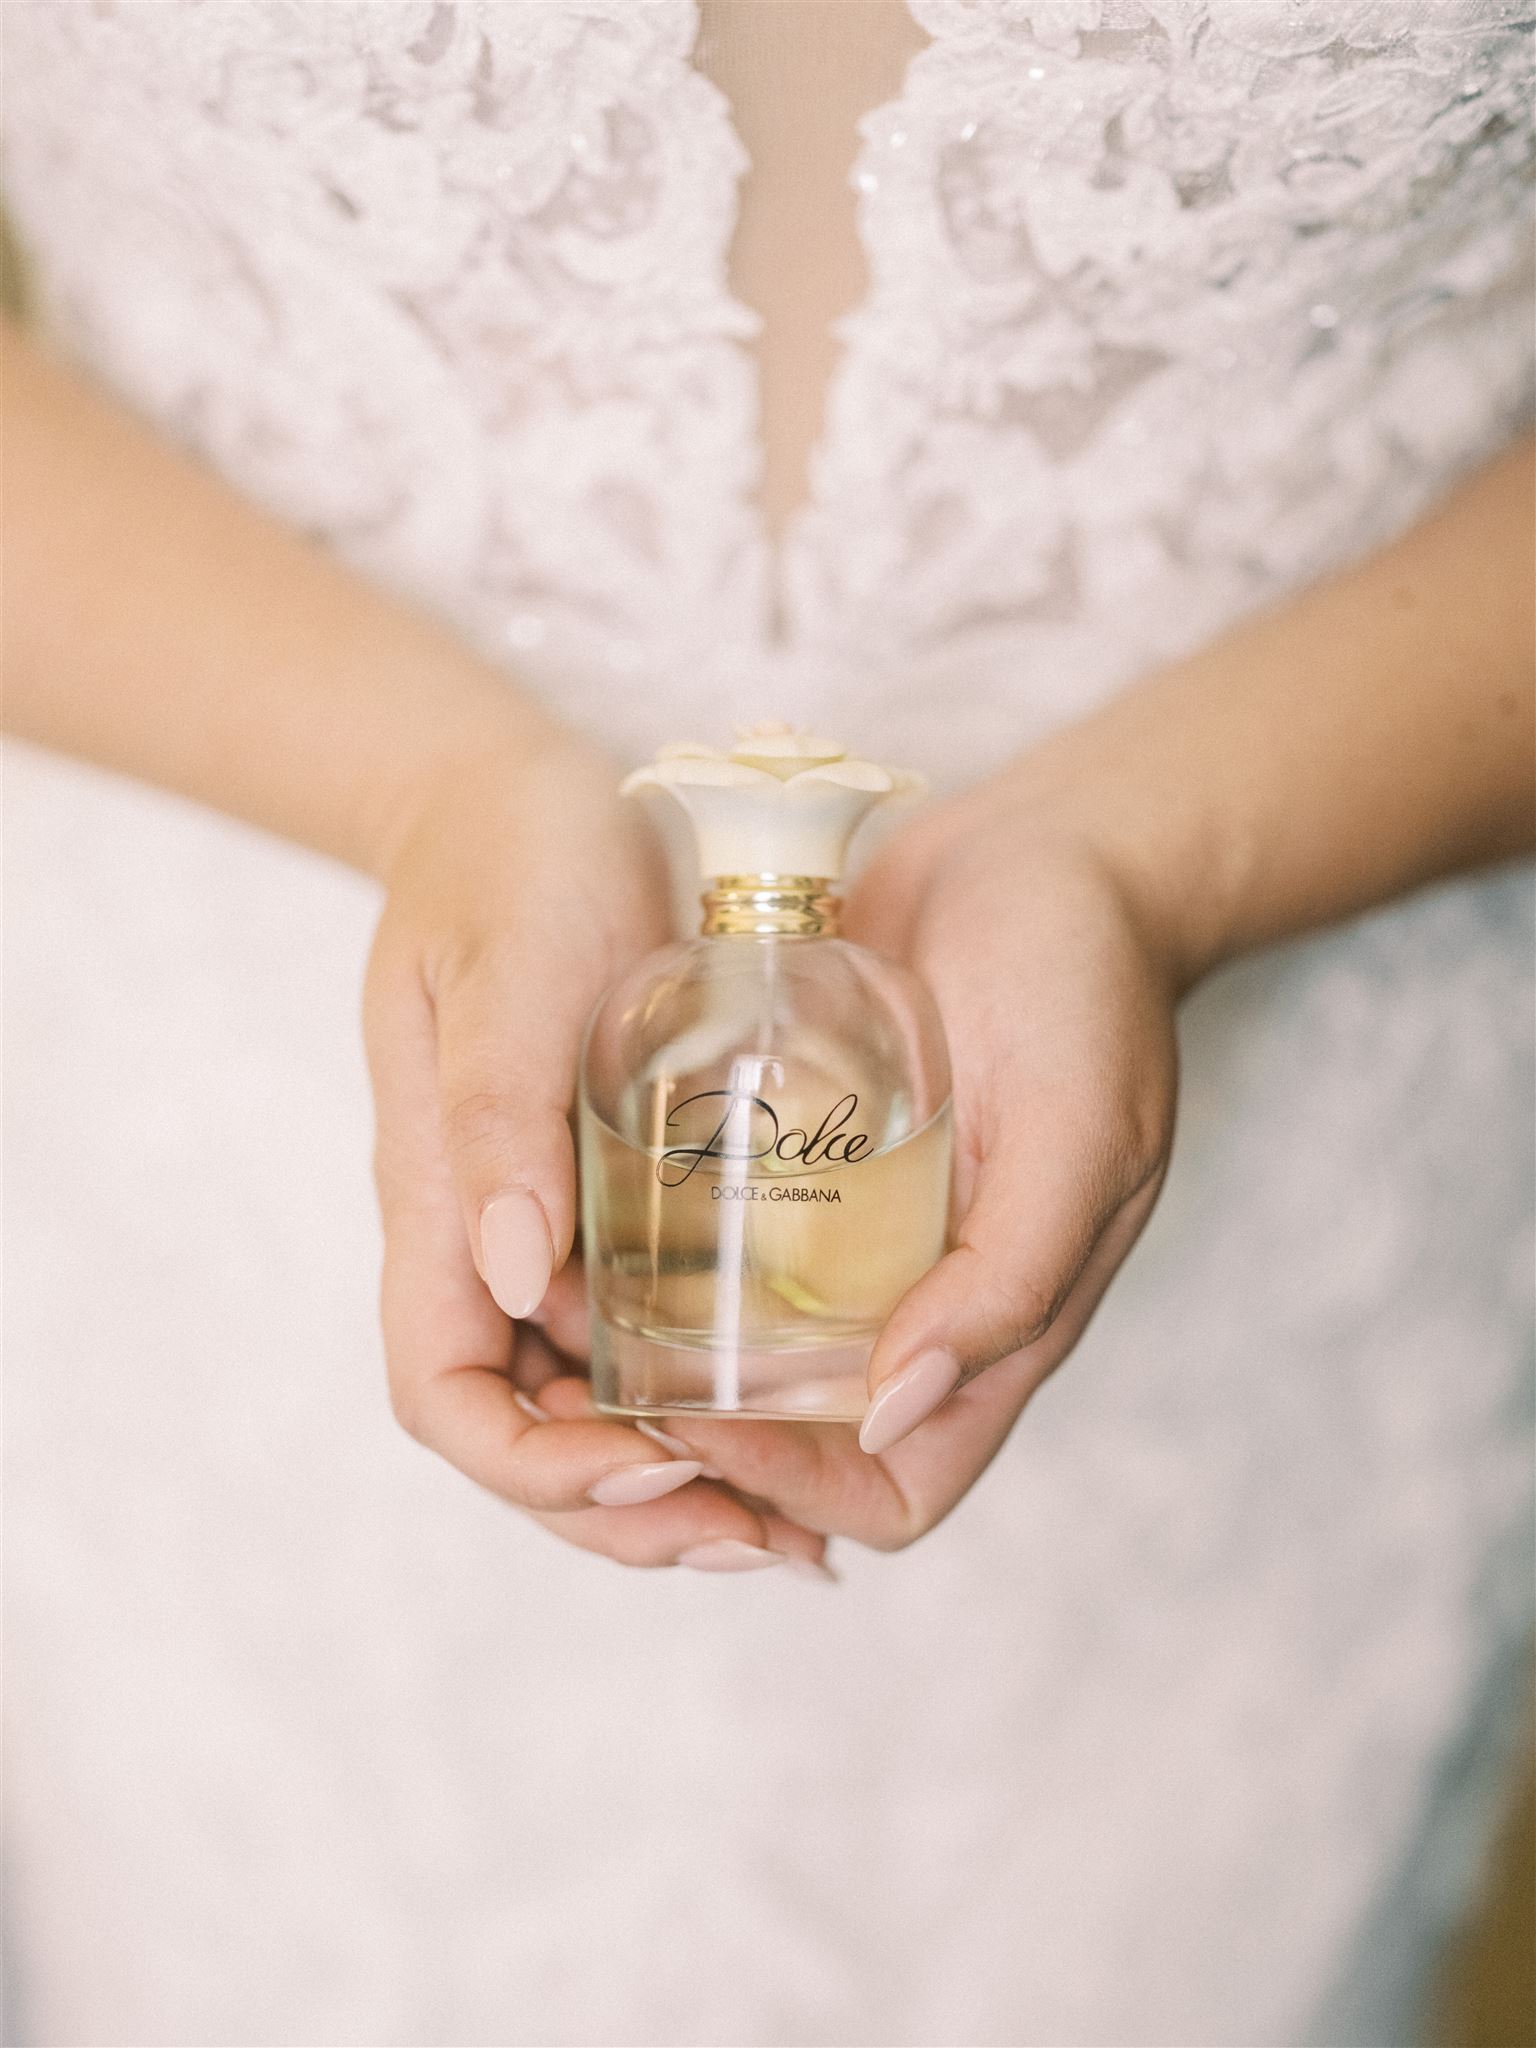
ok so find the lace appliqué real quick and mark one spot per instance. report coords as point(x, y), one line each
point(443, 285)
point(1173, 306)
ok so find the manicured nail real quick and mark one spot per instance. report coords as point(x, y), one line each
point(812, 1568)
point(529, 1406)
point(632, 1484)
point(677, 1447)
point(908, 1399)
point(729, 1554)
point(516, 1256)
point(674, 1444)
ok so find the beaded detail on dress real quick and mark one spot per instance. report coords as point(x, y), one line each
point(1173, 306)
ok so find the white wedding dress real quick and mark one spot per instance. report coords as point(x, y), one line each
point(1188, 1726)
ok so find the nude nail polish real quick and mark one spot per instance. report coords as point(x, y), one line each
point(516, 1256)
point(729, 1554)
point(674, 1444)
point(632, 1484)
point(908, 1398)
point(812, 1568)
point(677, 1447)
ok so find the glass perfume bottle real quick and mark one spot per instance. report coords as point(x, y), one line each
point(764, 1111)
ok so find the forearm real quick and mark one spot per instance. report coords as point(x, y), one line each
point(158, 624)
point(1334, 752)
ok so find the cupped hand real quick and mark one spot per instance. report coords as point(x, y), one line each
point(1058, 996)
point(519, 888)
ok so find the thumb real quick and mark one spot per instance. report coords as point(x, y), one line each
point(1024, 1271)
point(508, 1040)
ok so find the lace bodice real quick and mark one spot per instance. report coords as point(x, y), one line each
point(1171, 307)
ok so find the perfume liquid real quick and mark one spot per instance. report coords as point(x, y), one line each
point(746, 1282)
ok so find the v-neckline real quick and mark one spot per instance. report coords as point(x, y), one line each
point(802, 172)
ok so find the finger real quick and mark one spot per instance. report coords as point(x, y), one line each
point(705, 1526)
point(702, 1529)
point(1041, 1204)
point(436, 1312)
point(509, 1023)
point(451, 1353)
point(932, 1467)
point(813, 1472)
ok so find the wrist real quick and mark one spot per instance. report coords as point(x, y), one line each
point(483, 737)
point(1173, 853)
point(1173, 863)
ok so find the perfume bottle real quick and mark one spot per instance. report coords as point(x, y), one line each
point(764, 1110)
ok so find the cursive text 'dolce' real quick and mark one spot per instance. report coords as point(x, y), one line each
point(744, 1128)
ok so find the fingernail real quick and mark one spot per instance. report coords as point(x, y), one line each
point(812, 1568)
point(674, 1444)
point(632, 1484)
point(908, 1399)
point(677, 1447)
point(729, 1554)
point(529, 1406)
point(516, 1256)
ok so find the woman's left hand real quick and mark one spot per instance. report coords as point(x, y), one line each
point(1058, 1000)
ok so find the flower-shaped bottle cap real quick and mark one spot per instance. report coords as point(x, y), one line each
point(780, 802)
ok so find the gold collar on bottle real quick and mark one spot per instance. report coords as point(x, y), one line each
point(782, 906)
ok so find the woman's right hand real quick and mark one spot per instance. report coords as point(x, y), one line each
point(519, 886)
